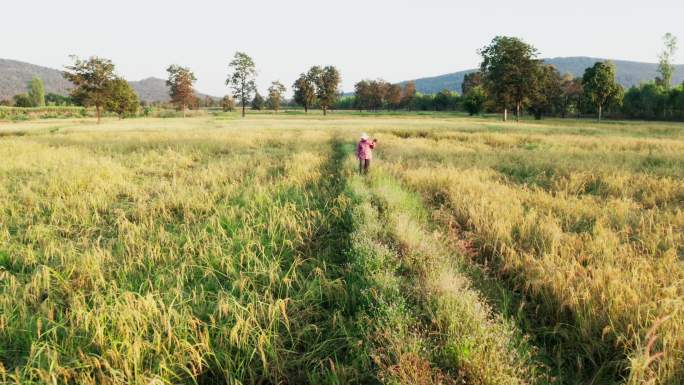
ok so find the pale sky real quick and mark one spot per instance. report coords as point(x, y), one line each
point(394, 40)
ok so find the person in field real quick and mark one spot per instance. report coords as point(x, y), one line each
point(364, 153)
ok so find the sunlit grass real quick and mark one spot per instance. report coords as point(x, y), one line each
point(590, 229)
point(225, 250)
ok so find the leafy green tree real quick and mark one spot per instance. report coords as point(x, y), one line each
point(547, 94)
point(424, 102)
point(665, 67)
point(37, 92)
point(508, 68)
point(304, 91)
point(327, 81)
point(362, 95)
point(58, 100)
point(122, 100)
point(258, 102)
point(181, 89)
point(444, 100)
point(408, 95)
point(600, 86)
point(676, 101)
point(647, 101)
point(23, 100)
point(227, 103)
point(275, 95)
point(91, 79)
point(474, 101)
point(242, 79)
point(345, 103)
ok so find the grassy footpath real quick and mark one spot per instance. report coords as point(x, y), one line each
point(429, 325)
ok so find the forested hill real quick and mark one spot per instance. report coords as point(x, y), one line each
point(14, 75)
point(628, 73)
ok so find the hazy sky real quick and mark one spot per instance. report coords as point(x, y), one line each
point(396, 40)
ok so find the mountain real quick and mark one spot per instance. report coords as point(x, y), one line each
point(14, 75)
point(628, 73)
point(151, 89)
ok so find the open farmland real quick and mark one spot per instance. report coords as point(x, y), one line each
point(214, 250)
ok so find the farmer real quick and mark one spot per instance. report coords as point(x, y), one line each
point(364, 152)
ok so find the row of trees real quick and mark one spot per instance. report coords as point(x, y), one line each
point(511, 77)
point(514, 79)
point(652, 101)
point(373, 95)
point(319, 86)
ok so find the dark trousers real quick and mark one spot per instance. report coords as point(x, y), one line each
point(364, 165)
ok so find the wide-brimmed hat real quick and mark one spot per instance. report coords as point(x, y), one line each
point(364, 136)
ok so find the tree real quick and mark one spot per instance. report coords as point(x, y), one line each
point(327, 81)
point(665, 67)
point(470, 81)
point(393, 96)
point(275, 94)
point(647, 101)
point(227, 103)
point(37, 92)
point(572, 94)
point(547, 93)
point(474, 100)
point(180, 83)
point(508, 68)
point(408, 95)
point(362, 95)
point(424, 102)
point(23, 100)
point(58, 100)
point(257, 102)
point(122, 99)
point(446, 100)
point(304, 91)
point(91, 79)
point(600, 86)
point(242, 79)
point(377, 90)
point(208, 102)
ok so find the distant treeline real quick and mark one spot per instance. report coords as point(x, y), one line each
point(511, 78)
point(649, 101)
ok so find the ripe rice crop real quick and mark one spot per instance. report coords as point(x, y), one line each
point(216, 250)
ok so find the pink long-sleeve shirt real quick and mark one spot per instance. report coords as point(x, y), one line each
point(365, 149)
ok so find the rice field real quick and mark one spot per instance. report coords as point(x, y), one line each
point(219, 250)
